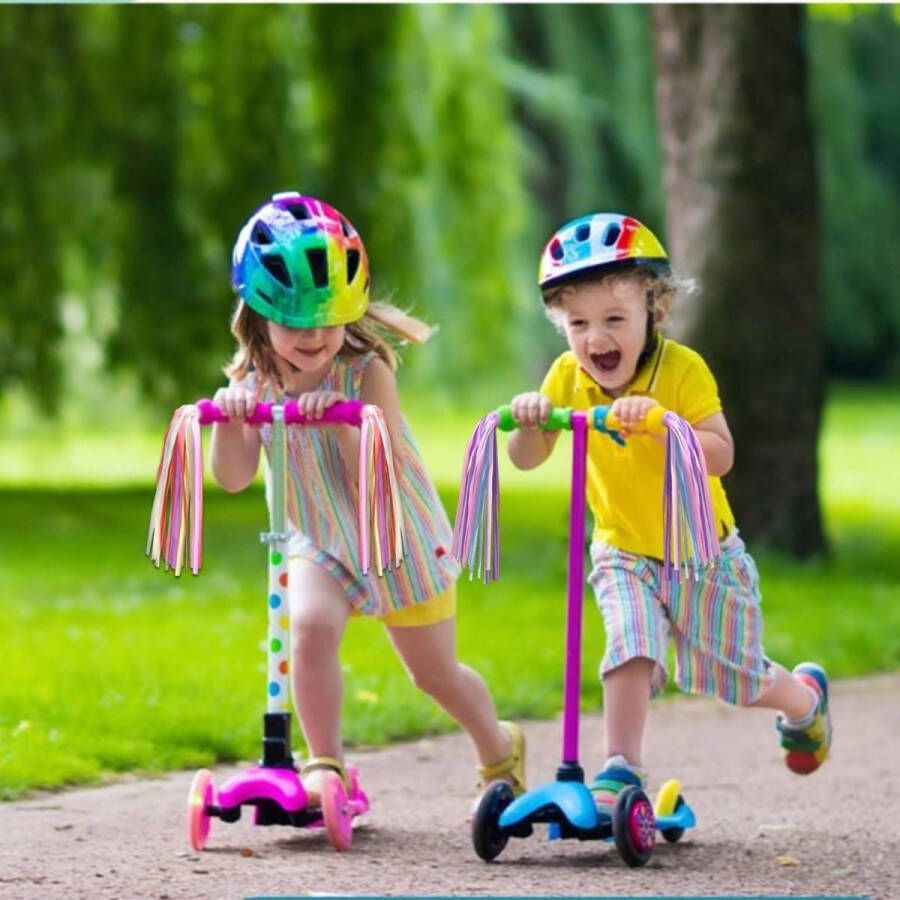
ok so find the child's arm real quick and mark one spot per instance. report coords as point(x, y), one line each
point(234, 455)
point(712, 432)
point(716, 441)
point(528, 445)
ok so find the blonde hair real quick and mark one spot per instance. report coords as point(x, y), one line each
point(661, 290)
point(382, 329)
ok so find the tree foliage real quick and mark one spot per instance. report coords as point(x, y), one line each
point(134, 141)
point(856, 101)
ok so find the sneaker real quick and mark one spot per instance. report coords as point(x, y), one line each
point(806, 747)
point(617, 774)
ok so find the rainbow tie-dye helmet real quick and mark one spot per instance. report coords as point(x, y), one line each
point(300, 263)
point(599, 241)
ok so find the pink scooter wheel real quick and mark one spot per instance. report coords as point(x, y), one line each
point(198, 821)
point(336, 812)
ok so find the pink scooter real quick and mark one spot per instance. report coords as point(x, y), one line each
point(273, 787)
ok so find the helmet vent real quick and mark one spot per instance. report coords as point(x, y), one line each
point(275, 266)
point(611, 235)
point(556, 250)
point(261, 233)
point(298, 211)
point(583, 232)
point(352, 265)
point(345, 227)
point(318, 265)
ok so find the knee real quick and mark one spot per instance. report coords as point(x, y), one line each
point(313, 641)
point(434, 681)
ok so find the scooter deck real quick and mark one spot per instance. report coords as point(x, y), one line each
point(568, 808)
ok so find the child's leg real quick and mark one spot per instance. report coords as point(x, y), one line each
point(319, 612)
point(429, 654)
point(626, 702)
point(788, 694)
point(717, 626)
point(805, 727)
point(633, 664)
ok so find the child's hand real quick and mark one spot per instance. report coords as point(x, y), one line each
point(235, 401)
point(314, 403)
point(531, 409)
point(631, 411)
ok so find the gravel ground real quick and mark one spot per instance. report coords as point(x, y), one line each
point(760, 829)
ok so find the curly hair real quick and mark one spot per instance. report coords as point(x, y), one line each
point(661, 290)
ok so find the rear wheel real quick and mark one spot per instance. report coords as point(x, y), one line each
point(200, 798)
point(669, 801)
point(336, 812)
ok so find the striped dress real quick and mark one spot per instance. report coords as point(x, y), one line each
point(322, 510)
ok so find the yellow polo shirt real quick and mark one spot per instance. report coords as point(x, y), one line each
point(625, 484)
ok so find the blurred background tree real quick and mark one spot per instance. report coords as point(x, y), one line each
point(135, 140)
point(744, 218)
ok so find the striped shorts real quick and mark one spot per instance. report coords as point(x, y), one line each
point(715, 623)
point(364, 600)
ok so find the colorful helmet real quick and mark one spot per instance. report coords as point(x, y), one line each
point(601, 240)
point(300, 263)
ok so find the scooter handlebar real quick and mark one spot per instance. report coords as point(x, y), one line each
point(599, 417)
point(344, 412)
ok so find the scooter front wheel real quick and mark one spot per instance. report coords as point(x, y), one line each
point(634, 826)
point(487, 838)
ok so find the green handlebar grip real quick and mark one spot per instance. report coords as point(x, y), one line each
point(560, 419)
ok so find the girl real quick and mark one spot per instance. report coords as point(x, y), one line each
point(607, 286)
point(305, 330)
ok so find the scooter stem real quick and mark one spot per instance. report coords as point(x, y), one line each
point(575, 598)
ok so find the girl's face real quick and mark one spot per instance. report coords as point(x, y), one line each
point(605, 324)
point(306, 349)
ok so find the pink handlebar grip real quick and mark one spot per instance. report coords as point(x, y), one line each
point(345, 412)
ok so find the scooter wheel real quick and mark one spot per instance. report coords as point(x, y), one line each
point(336, 812)
point(634, 826)
point(668, 801)
point(487, 838)
point(199, 798)
point(674, 835)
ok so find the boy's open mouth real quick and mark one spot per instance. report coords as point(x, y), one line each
point(608, 361)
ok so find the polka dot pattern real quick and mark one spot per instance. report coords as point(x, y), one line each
point(277, 638)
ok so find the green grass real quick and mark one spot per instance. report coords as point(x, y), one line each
point(110, 665)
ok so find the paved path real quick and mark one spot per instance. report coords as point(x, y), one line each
point(761, 830)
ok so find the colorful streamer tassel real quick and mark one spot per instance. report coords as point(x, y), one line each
point(176, 520)
point(380, 509)
point(690, 539)
point(476, 539)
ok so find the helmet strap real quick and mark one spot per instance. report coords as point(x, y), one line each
point(650, 337)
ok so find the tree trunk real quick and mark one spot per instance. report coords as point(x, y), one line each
point(743, 220)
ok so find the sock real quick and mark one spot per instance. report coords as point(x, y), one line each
point(619, 762)
point(810, 717)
